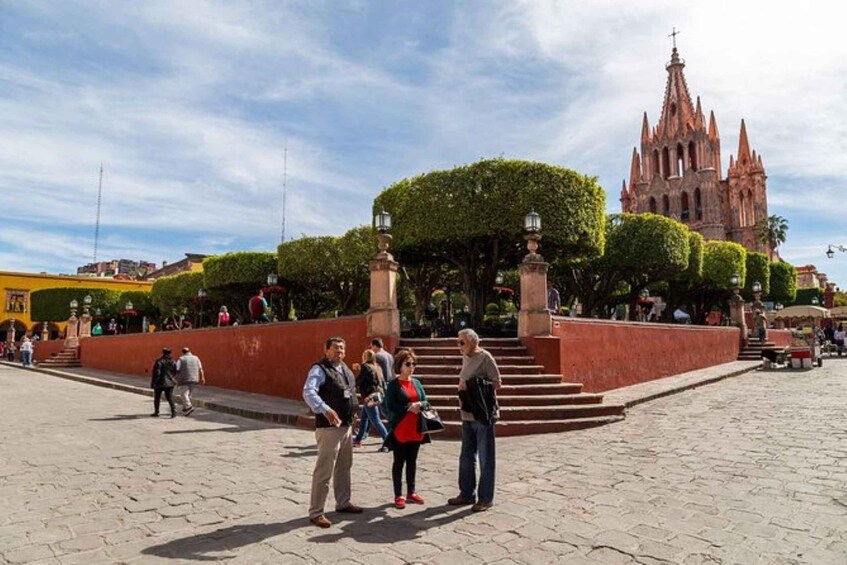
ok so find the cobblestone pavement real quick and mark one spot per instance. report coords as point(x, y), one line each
point(750, 470)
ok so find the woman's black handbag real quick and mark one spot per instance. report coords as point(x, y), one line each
point(429, 422)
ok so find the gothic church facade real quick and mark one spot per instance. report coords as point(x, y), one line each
point(678, 171)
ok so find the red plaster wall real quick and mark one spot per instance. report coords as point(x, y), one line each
point(44, 349)
point(604, 355)
point(263, 358)
point(780, 337)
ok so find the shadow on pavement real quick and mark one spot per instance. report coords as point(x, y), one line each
point(121, 417)
point(301, 451)
point(376, 526)
point(200, 547)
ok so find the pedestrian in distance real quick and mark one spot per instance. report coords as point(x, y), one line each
point(479, 380)
point(223, 317)
point(371, 386)
point(760, 324)
point(26, 352)
point(189, 373)
point(112, 328)
point(97, 329)
point(10, 351)
point(330, 392)
point(163, 381)
point(258, 307)
point(404, 399)
point(384, 359)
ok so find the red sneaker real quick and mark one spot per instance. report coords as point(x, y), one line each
point(357, 444)
point(399, 503)
point(414, 497)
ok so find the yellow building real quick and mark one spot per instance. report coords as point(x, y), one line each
point(16, 289)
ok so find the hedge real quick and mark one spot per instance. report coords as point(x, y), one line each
point(758, 270)
point(243, 268)
point(171, 293)
point(722, 259)
point(53, 304)
point(783, 283)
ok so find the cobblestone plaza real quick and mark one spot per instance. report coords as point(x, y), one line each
point(749, 470)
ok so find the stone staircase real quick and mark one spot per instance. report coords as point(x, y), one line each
point(66, 358)
point(531, 401)
point(753, 350)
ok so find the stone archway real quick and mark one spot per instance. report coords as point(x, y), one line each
point(20, 328)
point(52, 329)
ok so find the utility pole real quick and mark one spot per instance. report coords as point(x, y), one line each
point(97, 223)
point(284, 182)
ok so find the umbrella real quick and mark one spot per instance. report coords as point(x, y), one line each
point(680, 315)
point(803, 312)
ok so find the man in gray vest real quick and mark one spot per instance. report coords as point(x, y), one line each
point(189, 373)
point(330, 391)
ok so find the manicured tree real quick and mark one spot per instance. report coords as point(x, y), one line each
point(52, 304)
point(683, 289)
point(805, 297)
point(783, 283)
point(328, 273)
point(644, 249)
point(174, 296)
point(472, 218)
point(142, 303)
point(233, 278)
point(721, 259)
point(758, 270)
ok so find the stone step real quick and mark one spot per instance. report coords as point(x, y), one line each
point(451, 341)
point(451, 400)
point(511, 389)
point(453, 379)
point(504, 369)
point(453, 350)
point(453, 429)
point(456, 360)
point(542, 413)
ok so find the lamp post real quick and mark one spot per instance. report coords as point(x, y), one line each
point(85, 321)
point(383, 314)
point(201, 296)
point(757, 297)
point(74, 305)
point(534, 319)
point(736, 307)
point(128, 308)
point(273, 280)
point(830, 250)
point(815, 301)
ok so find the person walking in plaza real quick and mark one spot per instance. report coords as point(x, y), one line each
point(330, 391)
point(404, 399)
point(258, 307)
point(479, 380)
point(26, 352)
point(10, 351)
point(384, 359)
point(760, 325)
point(371, 387)
point(189, 373)
point(163, 381)
point(554, 301)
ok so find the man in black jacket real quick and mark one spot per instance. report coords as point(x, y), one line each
point(330, 391)
point(480, 370)
point(163, 380)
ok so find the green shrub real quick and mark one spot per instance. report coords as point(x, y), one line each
point(52, 304)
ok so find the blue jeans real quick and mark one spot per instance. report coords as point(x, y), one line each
point(477, 439)
point(370, 417)
point(26, 358)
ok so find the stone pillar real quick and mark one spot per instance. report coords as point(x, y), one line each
point(85, 324)
point(736, 314)
point(45, 333)
point(534, 319)
point(10, 333)
point(383, 315)
point(829, 296)
point(72, 333)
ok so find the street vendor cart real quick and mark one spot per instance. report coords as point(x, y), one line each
point(804, 351)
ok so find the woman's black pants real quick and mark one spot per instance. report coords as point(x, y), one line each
point(157, 398)
point(405, 454)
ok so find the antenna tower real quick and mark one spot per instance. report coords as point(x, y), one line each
point(97, 223)
point(284, 182)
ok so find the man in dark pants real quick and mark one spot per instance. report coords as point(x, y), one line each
point(477, 437)
point(164, 380)
point(330, 391)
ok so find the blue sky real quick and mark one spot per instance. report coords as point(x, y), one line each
point(189, 104)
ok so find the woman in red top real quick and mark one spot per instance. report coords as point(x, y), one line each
point(404, 400)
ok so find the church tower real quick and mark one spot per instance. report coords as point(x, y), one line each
point(678, 171)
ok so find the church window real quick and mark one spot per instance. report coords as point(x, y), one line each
point(655, 162)
point(652, 205)
point(742, 211)
point(673, 109)
point(666, 163)
point(751, 213)
point(698, 205)
point(692, 155)
point(684, 204)
point(666, 205)
point(680, 159)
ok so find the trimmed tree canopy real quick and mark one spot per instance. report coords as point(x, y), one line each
point(696, 243)
point(178, 291)
point(53, 304)
point(783, 282)
point(648, 244)
point(722, 259)
point(758, 270)
point(473, 217)
point(243, 268)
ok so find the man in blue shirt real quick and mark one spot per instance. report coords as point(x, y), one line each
point(330, 391)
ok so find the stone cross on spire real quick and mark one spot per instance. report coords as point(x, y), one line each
point(674, 34)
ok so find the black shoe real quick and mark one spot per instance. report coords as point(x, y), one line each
point(156, 415)
point(173, 415)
